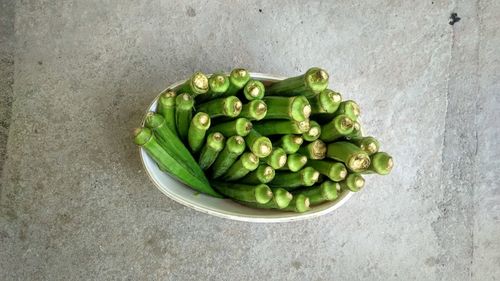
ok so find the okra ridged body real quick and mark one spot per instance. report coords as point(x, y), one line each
point(299, 204)
point(295, 108)
point(236, 127)
point(241, 167)
point(166, 107)
point(238, 78)
point(234, 147)
point(195, 85)
point(295, 162)
point(254, 110)
point(290, 143)
point(229, 106)
point(335, 171)
point(309, 84)
point(260, 193)
point(293, 180)
point(381, 163)
point(339, 127)
point(327, 101)
point(277, 158)
point(209, 152)
point(197, 131)
point(281, 127)
point(263, 174)
point(183, 114)
point(351, 155)
point(353, 182)
point(258, 144)
point(327, 191)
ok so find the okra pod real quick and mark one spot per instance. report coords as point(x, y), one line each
point(315, 150)
point(197, 84)
point(218, 85)
point(327, 191)
point(245, 164)
point(166, 107)
point(295, 108)
point(351, 155)
point(254, 110)
point(353, 182)
point(295, 162)
point(209, 152)
point(349, 108)
point(258, 144)
point(356, 131)
point(281, 199)
point(254, 90)
point(277, 158)
point(243, 192)
point(234, 147)
point(339, 127)
point(229, 106)
point(369, 144)
point(327, 101)
point(183, 114)
point(309, 84)
point(263, 174)
point(238, 78)
point(335, 171)
point(293, 180)
point(281, 127)
point(237, 127)
point(381, 163)
point(299, 204)
point(290, 143)
point(313, 133)
point(197, 131)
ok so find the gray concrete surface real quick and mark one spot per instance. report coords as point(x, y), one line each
point(75, 77)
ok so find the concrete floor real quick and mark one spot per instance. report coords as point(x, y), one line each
point(75, 77)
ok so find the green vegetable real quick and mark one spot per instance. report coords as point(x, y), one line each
point(356, 131)
point(281, 127)
point(296, 108)
point(196, 85)
point(218, 85)
point(230, 107)
point(277, 158)
point(237, 80)
point(254, 90)
point(197, 131)
point(293, 180)
point(243, 192)
point(281, 199)
point(335, 171)
point(313, 133)
point(295, 162)
point(290, 143)
point(234, 147)
point(369, 144)
point(209, 153)
point(247, 163)
point(327, 191)
point(354, 182)
point(299, 204)
point(339, 127)
point(349, 108)
point(263, 174)
point(309, 84)
point(327, 101)
point(254, 110)
point(169, 162)
point(240, 127)
point(259, 145)
point(183, 114)
point(381, 163)
point(166, 107)
point(352, 156)
point(314, 150)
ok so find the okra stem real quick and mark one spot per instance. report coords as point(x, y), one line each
point(254, 110)
point(281, 127)
point(309, 84)
point(230, 107)
point(195, 85)
point(315, 150)
point(349, 108)
point(299, 204)
point(258, 144)
point(254, 90)
point(234, 147)
point(336, 171)
point(296, 108)
point(243, 192)
point(208, 155)
point(353, 182)
point(295, 162)
point(197, 131)
point(313, 133)
point(327, 101)
point(239, 127)
point(339, 127)
point(381, 163)
point(292, 180)
point(281, 199)
point(327, 191)
point(245, 164)
point(356, 131)
point(166, 107)
point(352, 156)
point(290, 143)
point(369, 144)
point(218, 85)
point(277, 158)
point(263, 174)
point(237, 80)
point(183, 114)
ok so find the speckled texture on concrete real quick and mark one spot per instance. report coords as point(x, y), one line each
point(76, 205)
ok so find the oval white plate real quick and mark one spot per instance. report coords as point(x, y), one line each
point(226, 208)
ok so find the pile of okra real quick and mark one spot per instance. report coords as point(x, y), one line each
point(286, 145)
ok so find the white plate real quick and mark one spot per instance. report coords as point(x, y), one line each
point(225, 208)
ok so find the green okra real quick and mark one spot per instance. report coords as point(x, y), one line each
point(241, 167)
point(295, 108)
point(295, 162)
point(258, 144)
point(327, 191)
point(339, 127)
point(238, 78)
point(254, 90)
point(299, 204)
point(349, 108)
point(315, 150)
point(229, 106)
point(254, 110)
point(260, 193)
point(236, 127)
point(196, 85)
point(369, 144)
point(353, 182)
point(277, 158)
point(309, 84)
point(197, 131)
point(356, 131)
point(313, 133)
point(166, 107)
point(327, 101)
point(281, 199)
point(234, 147)
point(281, 127)
point(209, 152)
point(335, 171)
point(290, 143)
point(218, 85)
point(381, 163)
point(293, 180)
point(169, 162)
point(183, 114)
point(351, 155)
point(263, 174)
